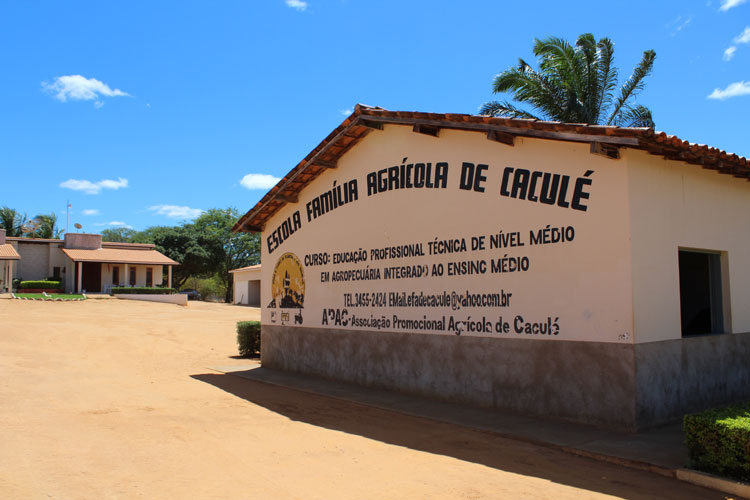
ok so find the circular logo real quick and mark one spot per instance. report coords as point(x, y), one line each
point(288, 283)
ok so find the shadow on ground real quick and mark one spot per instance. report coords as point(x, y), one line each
point(462, 443)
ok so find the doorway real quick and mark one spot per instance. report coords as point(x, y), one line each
point(91, 281)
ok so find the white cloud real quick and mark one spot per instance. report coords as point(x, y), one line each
point(733, 90)
point(114, 223)
point(259, 181)
point(346, 112)
point(79, 88)
point(743, 37)
point(176, 212)
point(728, 4)
point(679, 24)
point(91, 211)
point(296, 4)
point(89, 187)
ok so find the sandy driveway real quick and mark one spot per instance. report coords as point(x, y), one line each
point(114, 399)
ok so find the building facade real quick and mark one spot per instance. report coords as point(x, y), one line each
point(84, 263)
point(246, 285)
point(594, 274)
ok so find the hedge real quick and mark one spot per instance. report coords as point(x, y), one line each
point(718, 441)
point(248, 337)
point(39, 285)
point(147, 290)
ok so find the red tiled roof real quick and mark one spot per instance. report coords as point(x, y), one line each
point(7, 252)
point(117, 255)
point(364, 119)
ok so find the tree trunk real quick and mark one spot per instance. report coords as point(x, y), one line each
point(230, 288)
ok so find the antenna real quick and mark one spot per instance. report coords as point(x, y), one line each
point(77, 226)
point(30, 226)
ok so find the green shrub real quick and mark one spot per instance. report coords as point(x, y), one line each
point(718, 441)
point(248, 337)
point(39, 285)
point(148, 290)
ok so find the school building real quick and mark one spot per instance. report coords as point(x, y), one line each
point(591, 273)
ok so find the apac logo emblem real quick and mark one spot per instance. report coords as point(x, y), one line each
point(288, 287)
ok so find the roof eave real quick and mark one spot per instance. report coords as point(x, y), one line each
point(365, 118)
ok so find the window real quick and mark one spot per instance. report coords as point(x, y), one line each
point(116, 275)
point(132, 276)
point(701, 294)
point(149, 276)
point(55, 272)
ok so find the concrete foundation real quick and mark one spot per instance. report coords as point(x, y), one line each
point(681, 376)
point(619, 386)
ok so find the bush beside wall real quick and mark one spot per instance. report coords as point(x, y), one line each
point(142, 290)
point(248, 337)
point(39, 285)
point(718, 441)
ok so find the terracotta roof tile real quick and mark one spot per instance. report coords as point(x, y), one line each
point(118, 255)
point(7, 252)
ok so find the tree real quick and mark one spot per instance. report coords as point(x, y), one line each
point(46, 227)
point(187, 246)
point(119, 234)
point(228, 250)
point(11, 220)
point(574, 84)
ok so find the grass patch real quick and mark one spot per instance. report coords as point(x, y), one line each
point(50, 296)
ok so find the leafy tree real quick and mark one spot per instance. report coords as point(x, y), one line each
point(119, 234)
point(228, 250)
point(46, 227)
point(12, 220)
point(187, 246)
point(574, 84)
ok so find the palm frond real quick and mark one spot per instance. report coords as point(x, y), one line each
point(638, 116)
point(573, 83)
point(504, 109)
point(606, 76)
point(529, 86)
point(634, 84)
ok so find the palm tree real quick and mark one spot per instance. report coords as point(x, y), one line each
point(11, 220)
point(46, 227)
point(574, 84)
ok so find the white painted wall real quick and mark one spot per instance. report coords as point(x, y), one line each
point(676, 205)
point(245, 285)
point(140, 275)
point(176, 298)
point(585, 284)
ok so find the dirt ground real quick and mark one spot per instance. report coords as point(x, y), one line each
point(115, 399)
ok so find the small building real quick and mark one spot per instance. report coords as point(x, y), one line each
point(83, 262)
point(8, 256)
point(590, 273)
point(247, 285)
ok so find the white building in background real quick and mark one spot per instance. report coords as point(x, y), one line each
point(85, 263)
point(247, 285)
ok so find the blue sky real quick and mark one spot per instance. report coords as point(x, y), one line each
point(146, 113)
